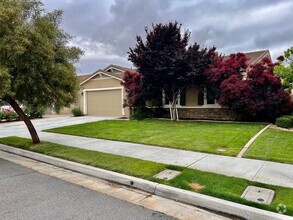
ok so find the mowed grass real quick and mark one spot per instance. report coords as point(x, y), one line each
point(220, 186)
point(272, 145)
point(195, 136)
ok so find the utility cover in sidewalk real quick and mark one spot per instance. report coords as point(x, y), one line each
point(167, 174)
point(259, 195)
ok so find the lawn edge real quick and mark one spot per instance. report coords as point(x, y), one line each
point(169, 192)
point(251, 141)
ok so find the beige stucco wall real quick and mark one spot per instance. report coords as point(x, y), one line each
point(191, 97)
point(63, 111)
point(105, 102)
point(98, 82)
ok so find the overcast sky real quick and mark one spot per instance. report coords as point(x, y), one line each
point(105, 29)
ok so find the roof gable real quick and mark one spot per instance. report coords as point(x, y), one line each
point(255, 56)
point(119, 68)
point(103, 73)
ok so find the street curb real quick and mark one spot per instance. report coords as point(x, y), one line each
point(169, 192)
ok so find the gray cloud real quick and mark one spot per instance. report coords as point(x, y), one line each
point(106, 29)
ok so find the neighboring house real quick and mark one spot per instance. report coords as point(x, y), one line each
point(101, 94)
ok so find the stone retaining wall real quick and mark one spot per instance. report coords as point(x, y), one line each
point(222, 114)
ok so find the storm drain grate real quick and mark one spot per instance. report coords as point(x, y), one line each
point(167, 174)
point(258, 195)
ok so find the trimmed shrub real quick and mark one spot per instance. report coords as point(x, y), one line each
point(77, 112)
point(284, 122)
point(289, 116)
point(141, 114)
point(34, 112)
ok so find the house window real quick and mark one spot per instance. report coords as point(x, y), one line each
point(200, 98)
point(166, 100)
point(183, 98)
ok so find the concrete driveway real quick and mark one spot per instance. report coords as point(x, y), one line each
point(19, 129)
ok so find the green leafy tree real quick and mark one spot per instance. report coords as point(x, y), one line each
point(285, 69)
point(36, 61)
point(5, 81)
point(168, 64)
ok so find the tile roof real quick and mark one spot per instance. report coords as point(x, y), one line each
point(120, 68)
point(255, 56)
point(84, 77)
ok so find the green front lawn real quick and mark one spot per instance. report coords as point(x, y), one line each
point(196, 136)
point(216, 185)
point(272, 145)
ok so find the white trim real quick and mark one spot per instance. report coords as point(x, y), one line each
point(122, 99)
point(101, 78)
point(97, 73)
point(102, 89)
point(266, 52)
point(112, 76)
point(200, 106)
point(84, 102)
point(120, 70)
point(196, 106)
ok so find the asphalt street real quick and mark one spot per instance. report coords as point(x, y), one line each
point(26, 194)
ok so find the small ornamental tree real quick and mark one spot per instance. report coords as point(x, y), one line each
point(285, 69)
point(257, 96)
point(168, 65)
point(36, 62)
point(132, 83)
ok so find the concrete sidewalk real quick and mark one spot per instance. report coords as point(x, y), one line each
point(256, 170)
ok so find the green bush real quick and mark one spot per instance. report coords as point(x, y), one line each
point(8, 116)
point(284, 122)
point(34, 112)
point(289, 116)
point(77, 112)
point(141, 114)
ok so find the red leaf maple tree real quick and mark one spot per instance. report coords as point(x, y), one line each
point(252, 91)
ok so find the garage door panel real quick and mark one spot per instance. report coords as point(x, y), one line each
point(104, 103)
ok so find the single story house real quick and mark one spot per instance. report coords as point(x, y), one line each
point(101, 94)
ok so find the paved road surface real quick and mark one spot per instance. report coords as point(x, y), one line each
point(25, 194)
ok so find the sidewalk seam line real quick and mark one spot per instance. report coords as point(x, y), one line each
point(258, 171)
point(197, 161)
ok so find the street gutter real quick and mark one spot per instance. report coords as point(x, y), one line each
point(192, 198)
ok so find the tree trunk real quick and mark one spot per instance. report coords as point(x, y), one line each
point(173, 111)
point(23, 117)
